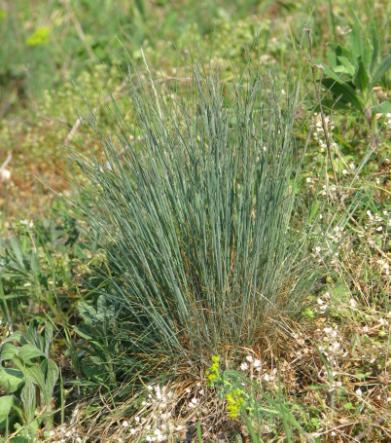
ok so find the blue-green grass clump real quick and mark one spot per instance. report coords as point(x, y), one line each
point(194, 206)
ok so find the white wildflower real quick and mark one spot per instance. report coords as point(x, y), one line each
point(244, 366)
point(28, 223)
point(193, 402)
point(257, 363)
point(5, 175)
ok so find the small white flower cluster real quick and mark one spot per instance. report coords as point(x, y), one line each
point(64, 434)
point(384, 266)
point(157, 436)
point(323, 302)
point(160, 423)
point(387, 117)
point(302, 349)
point(270, 377)
point(159, 395)
point(158, 401)
point(383, 322)
point(27, 223)
point(343, 30)
point(378, 223)
point(195, 395)
point(309, 180)
point(5, 175)
point(254, 367)
point(321, 138)
point(319, 135)
point(336, 235)
point(319, 254)
point(331, 347)
point(251, 364)
point(349, 169)
point(299, 338)
point(330, 191)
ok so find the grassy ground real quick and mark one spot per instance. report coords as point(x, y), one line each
point(71, 369)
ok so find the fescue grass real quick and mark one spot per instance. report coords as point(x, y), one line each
point(196, 219)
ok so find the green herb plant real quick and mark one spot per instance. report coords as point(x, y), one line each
point(355, 68)
point(28, 377)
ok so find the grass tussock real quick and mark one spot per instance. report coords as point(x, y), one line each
point(196, 217)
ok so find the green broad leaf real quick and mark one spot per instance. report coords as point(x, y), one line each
point(331, 58)
point(48, 337)
point(356, 39)
point(6, 403)
point(15, 336)
point(331, 74)
point(343, 93)
point(8, 351)
point(27, 433)
point(341, 89)
point(340, 69)
point(36, 375)
point(361, 79)
point(34, 264)
point(382, 108)
point(81, 333)
point(382, 69)
point(15, 246)
point(338, 52)
point(88, 313)
point(345, 66)
point(28, 352)
point(28, 399)
point(52, 374)
point(10, 379)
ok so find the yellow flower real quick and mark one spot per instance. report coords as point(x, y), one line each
point(235, 400)
point(39, 37)
point(213, 373)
